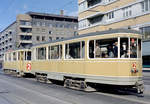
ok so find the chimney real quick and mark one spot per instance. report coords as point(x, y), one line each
point(61, 12)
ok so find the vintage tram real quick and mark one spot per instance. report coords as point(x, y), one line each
point(17, 62)
point(111, 58)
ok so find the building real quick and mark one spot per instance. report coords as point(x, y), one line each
point(99, 15)
point(32, 28)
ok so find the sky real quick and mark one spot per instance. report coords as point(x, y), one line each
point(10, 8)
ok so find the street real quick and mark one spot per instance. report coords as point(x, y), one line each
point(15, 90)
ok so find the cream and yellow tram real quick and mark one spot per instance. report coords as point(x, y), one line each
point(110, 57)
point(17, 62)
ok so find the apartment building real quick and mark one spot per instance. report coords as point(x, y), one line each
point(99, 15)
point(32, 28)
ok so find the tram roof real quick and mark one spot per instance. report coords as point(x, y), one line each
point(92, 34)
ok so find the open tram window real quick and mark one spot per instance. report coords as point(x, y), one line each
point(124, 47)
point(5, 57)
point(28, 55)
point(139, 48)
point(91, 49)
point(9, 56)
point(41, 53)
point(133, 48)
point(104, 48)
point(75, 50)
point(14, 56)
point(55, 52)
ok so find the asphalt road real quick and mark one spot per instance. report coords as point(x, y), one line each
point(15, 90)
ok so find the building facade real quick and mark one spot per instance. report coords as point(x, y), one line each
point(32, 28)
point(99, 15)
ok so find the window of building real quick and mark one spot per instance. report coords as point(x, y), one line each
point(38, 38)
point(110, 15)
point(50, 38)
point(55, 52)
point(82, 6)
point(103, 48)
point(43, 24)
point(50, 32)
point(146, 32)
point(57, 38)
point(27, 23)
point(50, 25)
point(82, 23)
point(41, 53)
point(75, 50)
point(127, 11)
point(43, 38)
point(10, 39)
point(10, 32)
point(10, 46)
point(43, 30)
point(145, 5)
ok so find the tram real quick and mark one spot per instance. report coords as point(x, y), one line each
point(110, 57)
point(17, 62)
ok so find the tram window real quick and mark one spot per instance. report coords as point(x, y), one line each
point(41, 53)
point(14, 56)
point(133, 48)
point(49, 52)
point(124, 49)
point(9, 56)
point(83, 50)
point(60, 51)
point(22, 55)
point(139, 48)
point(18, 55)
point(75, 50)
point(104, 48)
point(5, 57)
point(55, 52)
point(91, 49)
point(27, 55)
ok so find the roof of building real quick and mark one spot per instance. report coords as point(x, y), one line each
point(8, 27)
point(94, 34)
point(51, 15)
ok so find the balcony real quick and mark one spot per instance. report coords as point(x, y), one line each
point(25, 33)
point(97, 19)
point(25, 24)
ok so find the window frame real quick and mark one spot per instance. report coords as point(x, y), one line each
point(81, 58)
point(119, 56)
point(60, 52)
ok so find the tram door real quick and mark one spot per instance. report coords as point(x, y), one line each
point(21, 62)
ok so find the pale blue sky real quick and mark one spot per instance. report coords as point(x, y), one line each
point(10, 8)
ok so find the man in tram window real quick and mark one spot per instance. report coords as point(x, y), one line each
point(133, 53)
point(97, 51)
point(110, 51)
point(115, 49)
point(123, 50)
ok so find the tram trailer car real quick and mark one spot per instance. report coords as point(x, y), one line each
point(17, 62)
